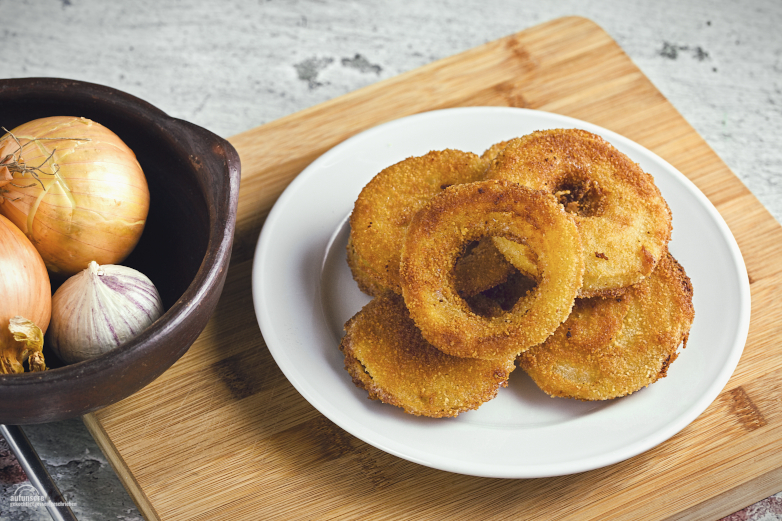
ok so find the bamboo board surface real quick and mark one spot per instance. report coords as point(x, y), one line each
point(223, 435)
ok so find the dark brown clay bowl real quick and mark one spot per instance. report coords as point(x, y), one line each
point(193, 177)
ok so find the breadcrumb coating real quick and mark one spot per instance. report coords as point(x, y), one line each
point(612, 347)
point(465, 213)
point(386, 205)
point(624, 222)
point(386, 355)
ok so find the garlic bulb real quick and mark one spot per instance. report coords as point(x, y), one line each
point(100, 309)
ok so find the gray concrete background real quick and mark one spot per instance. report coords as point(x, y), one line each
point(230, 66)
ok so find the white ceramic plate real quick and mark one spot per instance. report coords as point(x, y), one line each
point(303, 294)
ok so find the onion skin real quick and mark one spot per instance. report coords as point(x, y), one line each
point(100, 309)
point(25, 290)
point(92, 200)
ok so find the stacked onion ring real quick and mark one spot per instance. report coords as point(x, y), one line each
point(549, 249)
point(439, 233)
point(624, 222)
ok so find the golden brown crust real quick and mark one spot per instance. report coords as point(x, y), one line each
point(388, 202)
point(624, 222)
point(465, 213)
point(367, 280)
point(386, 355)
point(480, 269)
point(491, 153)
point(612, 347)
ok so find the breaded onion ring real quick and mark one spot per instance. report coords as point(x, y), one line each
point(615, 346)
point(465, 213)
point(491, 153)
point(481, 268)
point(624, 222)
point(388, 202)
point(367, 280)
point(386, 355)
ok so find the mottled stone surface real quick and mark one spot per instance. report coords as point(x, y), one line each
point(230, 66)
point(11, 473)
point(80, 471)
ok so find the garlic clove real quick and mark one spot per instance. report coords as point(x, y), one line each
point(100, 309)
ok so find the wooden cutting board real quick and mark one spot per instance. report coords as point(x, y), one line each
point(223, 435)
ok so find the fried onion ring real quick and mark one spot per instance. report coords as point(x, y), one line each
point(383, 211)
point(386, 355)
point(386, 205)
point(481, 268)
point(624, 222)
point(612, 347)
point(491, 153)
point(464, 213)
point(367, 280)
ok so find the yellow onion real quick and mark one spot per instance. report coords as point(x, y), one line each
point(75, 189)
point(25, 291)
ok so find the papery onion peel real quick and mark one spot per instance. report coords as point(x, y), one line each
point(77, 191)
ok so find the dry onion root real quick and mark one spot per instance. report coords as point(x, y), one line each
point(75, 189)
point(28, 347)
point(25, 291)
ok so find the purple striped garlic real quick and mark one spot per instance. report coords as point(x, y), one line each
point(100, 309)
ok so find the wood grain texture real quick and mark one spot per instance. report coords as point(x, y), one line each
point(223, 435)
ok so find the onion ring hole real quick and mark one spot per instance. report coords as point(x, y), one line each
point(580, 195)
